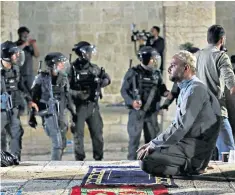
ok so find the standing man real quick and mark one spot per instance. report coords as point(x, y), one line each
point(86, 81)
point(142, 90)
point(186, 146)
point(215, 70)
point(230, 102)
point(29, 46)
point(50, 91)
point(157, 43)
point(11, 89)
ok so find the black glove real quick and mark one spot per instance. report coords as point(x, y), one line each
point(32, 120)
point(164, 106)
point(74, 121)
point(74, 118)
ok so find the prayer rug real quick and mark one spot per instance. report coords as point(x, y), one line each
point(121, 180)
point(122, 175)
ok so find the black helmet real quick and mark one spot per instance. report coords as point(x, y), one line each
point(52, 58)
point(84, 50)
point(146, 53)
point(8, 48)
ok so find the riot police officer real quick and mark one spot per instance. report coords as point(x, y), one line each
point(50, 90)
point(86, 81)
point(12, 88)
point(142, 90)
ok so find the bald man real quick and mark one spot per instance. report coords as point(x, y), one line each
point(186, 146)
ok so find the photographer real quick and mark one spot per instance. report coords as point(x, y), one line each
point(157, 43)
point(28, 45)
point(140, 37)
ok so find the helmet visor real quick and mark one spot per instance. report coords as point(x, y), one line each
point(89, 49)
point(14, 50)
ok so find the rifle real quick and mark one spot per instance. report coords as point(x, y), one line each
point(130, 64)
point(6, 100)
point(98, 93)
point(40, 67)
point(70, 58)
point(136, 93)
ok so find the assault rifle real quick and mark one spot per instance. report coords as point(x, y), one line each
point(136, 94)
point(98, 93)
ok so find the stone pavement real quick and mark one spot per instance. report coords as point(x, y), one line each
point(58, 177)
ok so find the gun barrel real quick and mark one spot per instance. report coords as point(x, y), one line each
point(40, 66)
point(130, 65)
point(70, 58)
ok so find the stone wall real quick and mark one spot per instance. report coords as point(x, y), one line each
point(185, 22)
point(9, 20)
point(225, 16)
point(57, 26)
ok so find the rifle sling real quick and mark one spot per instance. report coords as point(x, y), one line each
point(150, 98)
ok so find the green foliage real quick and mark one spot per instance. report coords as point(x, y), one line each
point(186, 46)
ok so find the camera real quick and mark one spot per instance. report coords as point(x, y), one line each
point(138, 35)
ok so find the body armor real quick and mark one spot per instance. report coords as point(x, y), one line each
point(11, 79)
point(145, 80)
point(84, 81)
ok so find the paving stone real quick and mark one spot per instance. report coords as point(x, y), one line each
point(65, 163)
point(11, 186)
point(45, 186)
point(71, 184)
point(5, 169)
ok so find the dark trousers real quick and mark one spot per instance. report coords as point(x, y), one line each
point(183, 158)
point(163, 162)
point(89, 113)
point(63, 124)
point(136, 123)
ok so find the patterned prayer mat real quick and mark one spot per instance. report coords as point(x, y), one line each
point(122, 175)
point(121, 180)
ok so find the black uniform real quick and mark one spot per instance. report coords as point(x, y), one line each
point(84, 89)
point(140, 119)
point(10, 121)
point(144, 84)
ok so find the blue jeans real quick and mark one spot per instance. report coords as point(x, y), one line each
point(225, 141)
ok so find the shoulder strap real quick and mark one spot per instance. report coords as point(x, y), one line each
point(150, 98)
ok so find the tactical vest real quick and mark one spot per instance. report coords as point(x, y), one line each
point(84, 80)
point(145, 82)
point(58, 90)
point(11, 79)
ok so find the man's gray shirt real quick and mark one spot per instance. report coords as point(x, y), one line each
point(215, 70)
point(197, 111)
